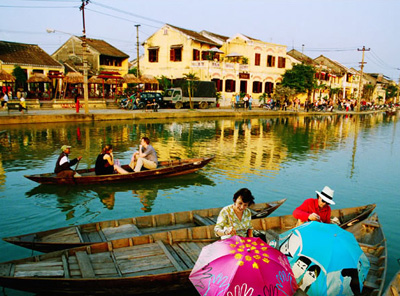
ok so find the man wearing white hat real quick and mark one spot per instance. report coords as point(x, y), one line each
point(63, 164)
point(316, 209)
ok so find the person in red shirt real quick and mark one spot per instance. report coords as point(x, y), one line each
point(316, 209)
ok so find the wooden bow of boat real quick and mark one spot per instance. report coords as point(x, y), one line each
point(393, 288)
point(168, 168)
point(145, 264)
point(90, 233)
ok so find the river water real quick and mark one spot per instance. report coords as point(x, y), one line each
point(275, 157)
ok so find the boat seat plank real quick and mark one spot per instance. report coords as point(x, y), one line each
point(65, 266)
point(153, 263)
point(40, 273)
point(150, 272)
point(127, 230)
point(93, 236)
point(85, 265)
point(137, 251)
point(202, 221)
point(5, 269)
point(191, 249)
point(165, 228)
point(170, 256)
point(67, 235)
point(184, 257)
point(78, 232)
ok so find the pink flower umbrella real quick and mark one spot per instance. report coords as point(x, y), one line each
point(242, 267)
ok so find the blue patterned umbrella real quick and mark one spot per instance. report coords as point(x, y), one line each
point(325, 259)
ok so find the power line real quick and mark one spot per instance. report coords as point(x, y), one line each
point(129, 13)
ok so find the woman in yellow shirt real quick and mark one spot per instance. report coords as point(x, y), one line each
point(235, 219)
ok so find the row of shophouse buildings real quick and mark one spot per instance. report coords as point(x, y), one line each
point(237, 64)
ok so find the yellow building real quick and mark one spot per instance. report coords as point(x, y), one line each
point(239, 64)
point(101, 56)
point(31, 58)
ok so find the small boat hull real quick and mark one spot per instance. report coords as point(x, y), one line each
point(90, 233)
point(147, 264)
point(165, 169)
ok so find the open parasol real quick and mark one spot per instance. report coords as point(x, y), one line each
point(242, 266)
point(38, 77)
point(5, 76)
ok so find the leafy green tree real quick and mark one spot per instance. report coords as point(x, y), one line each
point(368, 91)
point(301, 78)
point(190, 77)
point(283, 92)
point(133, 71)
point(20, 77)
point(164, 82)
point(391, 91)
point(263, 98)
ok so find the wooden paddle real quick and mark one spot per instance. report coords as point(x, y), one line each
point(76, 167)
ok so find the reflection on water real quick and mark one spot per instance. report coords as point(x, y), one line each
point(146, 192)
point(276, 157)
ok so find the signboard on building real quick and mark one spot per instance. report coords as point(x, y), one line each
point(244, 75)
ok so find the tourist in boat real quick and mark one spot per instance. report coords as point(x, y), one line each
point(146, 156)
point(105, 163)
point(316, 209)
point(235, 219)
point(63, 164)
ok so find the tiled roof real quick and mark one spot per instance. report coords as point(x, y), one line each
point(105, 48)
point(25, 54)
point(301, 57)
point(194, 35)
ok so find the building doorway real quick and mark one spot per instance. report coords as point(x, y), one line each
point(243, 86)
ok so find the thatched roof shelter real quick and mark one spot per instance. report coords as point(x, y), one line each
point(73, 78)
point(38, 77)
point(131, 78)
point(148, 79)
point(5, 76)
point(96, 80)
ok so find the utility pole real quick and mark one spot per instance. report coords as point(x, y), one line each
point(84, 58)
point(398, 90)
point(361, 77)
point(137, 50)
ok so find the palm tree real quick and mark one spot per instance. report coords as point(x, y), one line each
point(190, 77)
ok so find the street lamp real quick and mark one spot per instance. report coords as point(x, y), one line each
point(73, 42)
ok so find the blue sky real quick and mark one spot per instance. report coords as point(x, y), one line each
point(333, 28)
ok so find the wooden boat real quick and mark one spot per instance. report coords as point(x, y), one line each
point(90, 233)
point(371, 238)
point(394, 286)
point(165, 169)
point(147, 264)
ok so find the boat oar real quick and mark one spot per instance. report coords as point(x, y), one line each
point(76, 167)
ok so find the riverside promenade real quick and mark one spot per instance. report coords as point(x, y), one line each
point(70, 115)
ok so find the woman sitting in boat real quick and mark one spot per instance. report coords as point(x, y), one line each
point(105, 162)
point(235, 219)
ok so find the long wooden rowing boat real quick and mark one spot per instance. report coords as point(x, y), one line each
point(393, 289)
point(165, 169)
point(146, 264)
point(90, 233)
point(371, 238)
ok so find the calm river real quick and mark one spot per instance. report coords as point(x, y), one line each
point(275, 157)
